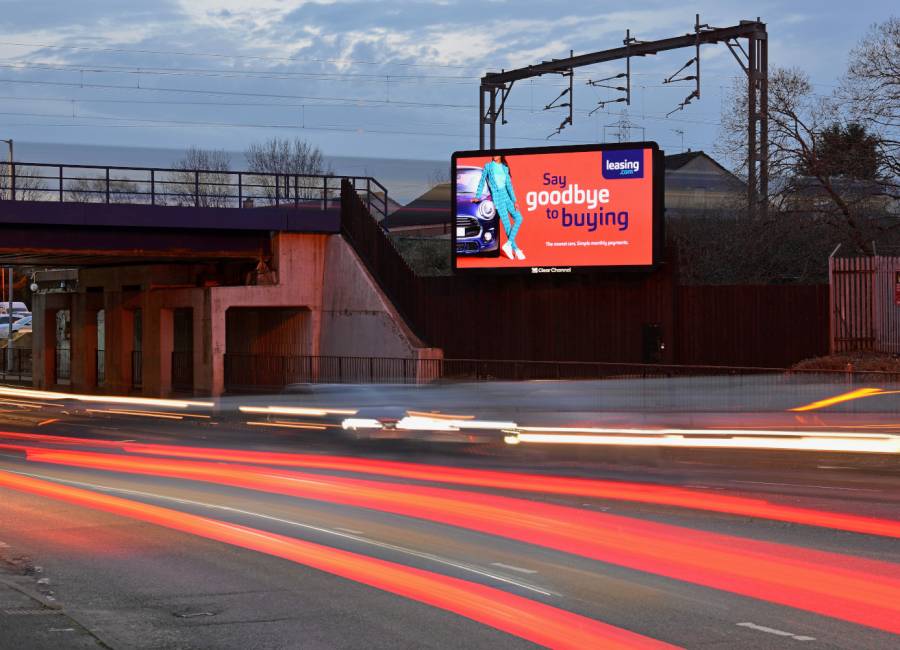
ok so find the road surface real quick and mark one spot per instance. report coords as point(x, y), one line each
point(304, 540)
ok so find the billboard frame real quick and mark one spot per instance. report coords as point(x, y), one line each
point(658, 211)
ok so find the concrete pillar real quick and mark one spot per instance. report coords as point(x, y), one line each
point(201, 355)
point(216, 343)
point(312, 344)
point(39, 341)
point(119, 342)
point(43, 339)
point(158, 343)
point(84, 343)
point(48, 345)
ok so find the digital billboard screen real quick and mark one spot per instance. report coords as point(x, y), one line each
point(557, 209)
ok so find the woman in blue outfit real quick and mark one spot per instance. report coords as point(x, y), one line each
point(496, 174)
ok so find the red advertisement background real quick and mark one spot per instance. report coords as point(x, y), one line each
point(584, 169)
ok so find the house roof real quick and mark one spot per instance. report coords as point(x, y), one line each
point(431, 208)
point(679, 160)
point(676, 161)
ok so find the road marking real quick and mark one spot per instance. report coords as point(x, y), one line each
point(364, 540)
point(352, 531)
point(772, 630)
point(821, 487)
point(513, 568)
point(91, 426)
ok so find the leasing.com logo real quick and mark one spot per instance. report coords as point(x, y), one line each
point(623, 163)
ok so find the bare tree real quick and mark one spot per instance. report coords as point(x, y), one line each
point(203, 179)
point(871, 88)
point(438, 176)
point(286, 168)
point(802, 178)
point(94, 190)
point(30, 183)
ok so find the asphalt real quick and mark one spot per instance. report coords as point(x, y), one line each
point(119, 583)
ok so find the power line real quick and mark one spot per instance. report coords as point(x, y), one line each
point(149, 123)
point(348, 100)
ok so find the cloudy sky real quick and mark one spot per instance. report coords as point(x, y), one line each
point(389, 78)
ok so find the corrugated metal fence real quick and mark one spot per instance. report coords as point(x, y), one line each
point(864, 304)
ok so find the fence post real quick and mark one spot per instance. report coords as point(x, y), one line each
point(107, 184)
point(12, 180)
point(277, 188)
point(60, 183)
point(340, 370)
point(196, 188)
point(369, 195)
point(152, 187)
point(240, 190)
point(324, 192)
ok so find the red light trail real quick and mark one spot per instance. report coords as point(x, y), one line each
point(590, 488)
point(528, 619)
point(852, 589)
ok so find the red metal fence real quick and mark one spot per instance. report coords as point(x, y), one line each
point(864, 304)
point(751, 325)
point(594, 317)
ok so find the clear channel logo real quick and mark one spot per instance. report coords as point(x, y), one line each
point(623, 163)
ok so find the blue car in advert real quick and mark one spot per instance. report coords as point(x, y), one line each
point(476, 223)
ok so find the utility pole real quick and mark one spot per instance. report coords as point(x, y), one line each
point(12, 185)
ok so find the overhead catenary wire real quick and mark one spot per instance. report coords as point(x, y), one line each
point(348, 100)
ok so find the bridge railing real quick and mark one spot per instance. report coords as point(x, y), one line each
point(201, 188)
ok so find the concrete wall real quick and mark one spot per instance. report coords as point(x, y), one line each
point(342, 309)
point(357, 318)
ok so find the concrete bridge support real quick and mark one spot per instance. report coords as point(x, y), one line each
point(167, 329)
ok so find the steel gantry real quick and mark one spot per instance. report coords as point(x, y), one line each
point(496, 86)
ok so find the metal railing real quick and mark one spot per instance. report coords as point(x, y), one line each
point(246, 371)
point(63, 365)
point(201, 188)
point(101, 367)
point(137, 369)
point(16, 365)
point(183, 370)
